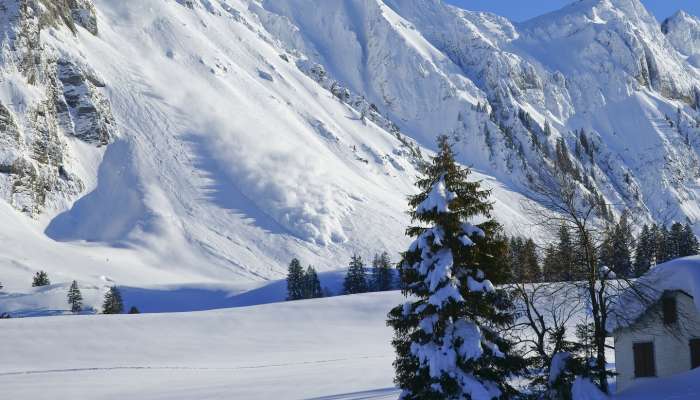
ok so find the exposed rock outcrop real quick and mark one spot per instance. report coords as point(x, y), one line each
point(45, 98)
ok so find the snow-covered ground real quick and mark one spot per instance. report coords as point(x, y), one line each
point(333, 348)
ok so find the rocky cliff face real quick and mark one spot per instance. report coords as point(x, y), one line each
point(46, 98)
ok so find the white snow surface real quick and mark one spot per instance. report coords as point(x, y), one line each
point(559, 361)
point(334, 348)
point(584, 389)
point(682, 386)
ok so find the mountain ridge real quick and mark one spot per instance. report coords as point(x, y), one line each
point(217, 139)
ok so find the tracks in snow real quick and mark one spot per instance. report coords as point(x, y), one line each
point(186, 368)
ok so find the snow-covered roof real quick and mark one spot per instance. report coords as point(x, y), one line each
point(681, 274)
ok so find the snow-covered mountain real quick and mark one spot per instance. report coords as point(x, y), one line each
point(173, 141)
point(683, 31)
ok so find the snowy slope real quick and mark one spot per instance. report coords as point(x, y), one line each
point(204, 143)
point(595, 88)
point(335, 348)
point(227, 161)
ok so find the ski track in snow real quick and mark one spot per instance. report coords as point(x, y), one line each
point(117, 368)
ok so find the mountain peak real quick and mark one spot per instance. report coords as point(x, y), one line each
point(683, 31)
point(597, 12)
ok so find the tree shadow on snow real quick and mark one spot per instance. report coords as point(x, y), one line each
point(182, 298)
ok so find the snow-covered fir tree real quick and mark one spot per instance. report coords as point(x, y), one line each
point(616, 252)
point(382, 276)
point(356, 277)
point(75, 298)
point(644, 251)
point(661, 250)
point(689, 245)
point(563, 265)
point(446, 333)
point(311, 284)
point(41, 278)
point(113, 303)
point(523, 260)
point(295, 281)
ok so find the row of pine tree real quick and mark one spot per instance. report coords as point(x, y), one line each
point(625, 255)
point(112, 303)
point(305, 284)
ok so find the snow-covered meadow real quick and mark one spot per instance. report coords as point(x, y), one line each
point(334, 348)
point(331, 348)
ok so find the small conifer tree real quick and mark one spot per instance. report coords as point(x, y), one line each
point(41, 278)
point(644, 252)
point(295, 281)
point(134, 310)
point(113, 303)
point(689, 242)
point(312, 285)
point(75, 298)
point(382, 276)
point(356, 277)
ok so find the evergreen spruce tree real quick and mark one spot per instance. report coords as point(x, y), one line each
point(674, 242)
point(382, 276)
point(515, 250)
point(295, 281)
point(579, 267)
point(75, 298)
point(134, 310)
point(689, 242)
point(530, 262)
point(564, 268)
point(113, 302)
point(616, 252)
point(550, 264)
point(312, 286)
point(446, 333)
point(41, 278)
point(644, 252)
point(661, 241)
point(606, 250)
point(356, 278)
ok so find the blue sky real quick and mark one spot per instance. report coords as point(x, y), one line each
point(520, 10)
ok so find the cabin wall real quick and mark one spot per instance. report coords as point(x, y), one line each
point(671, 342)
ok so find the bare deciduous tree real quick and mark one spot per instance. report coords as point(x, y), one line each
point(557, 201)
